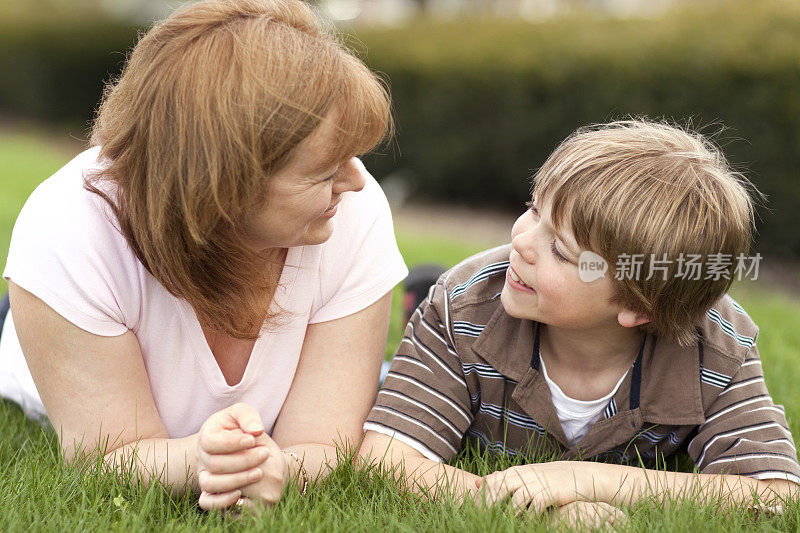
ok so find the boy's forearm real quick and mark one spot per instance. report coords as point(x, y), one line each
point(419, 474)
point(437, 480)
point(625, 485)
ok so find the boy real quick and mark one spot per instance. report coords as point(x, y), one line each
point(603, 332)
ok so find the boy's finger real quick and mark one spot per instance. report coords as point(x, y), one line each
point(492, 494)
point(529, 503)
point(520, 501)
point(479, 496)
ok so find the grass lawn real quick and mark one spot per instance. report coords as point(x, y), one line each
point(38, 491)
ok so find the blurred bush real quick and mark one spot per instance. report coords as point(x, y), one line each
point(481, 103)
point(53, 67)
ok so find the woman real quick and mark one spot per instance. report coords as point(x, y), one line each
point(206, 286)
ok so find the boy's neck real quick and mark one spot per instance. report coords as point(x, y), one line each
point(597, 350)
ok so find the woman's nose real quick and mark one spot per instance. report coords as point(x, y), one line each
point(350, 178)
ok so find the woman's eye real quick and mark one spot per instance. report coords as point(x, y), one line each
point(332, 176)
point(532, 207)
point(557, 253)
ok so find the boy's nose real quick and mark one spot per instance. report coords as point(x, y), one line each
point(523, 244)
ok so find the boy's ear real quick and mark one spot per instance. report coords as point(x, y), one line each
point(629, 319)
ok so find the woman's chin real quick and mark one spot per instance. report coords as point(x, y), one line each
point(317, 233)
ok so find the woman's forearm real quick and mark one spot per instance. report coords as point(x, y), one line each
point(171, 461)
point(318, 461)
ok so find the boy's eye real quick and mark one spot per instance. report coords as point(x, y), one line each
point(557, 253)
point(529, 205)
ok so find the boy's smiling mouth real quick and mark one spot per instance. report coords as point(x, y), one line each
point(516, 282)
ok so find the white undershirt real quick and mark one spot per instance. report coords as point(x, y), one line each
point(576, 416)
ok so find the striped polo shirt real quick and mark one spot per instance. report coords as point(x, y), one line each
point(466, 371)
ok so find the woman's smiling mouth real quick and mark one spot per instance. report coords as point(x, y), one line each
point(328, 213)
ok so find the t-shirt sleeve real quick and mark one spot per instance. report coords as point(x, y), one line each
point(424, 401)
point(745, 433)
point(361, 261)
point(68, 254)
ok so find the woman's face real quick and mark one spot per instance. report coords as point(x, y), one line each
point(304, 195)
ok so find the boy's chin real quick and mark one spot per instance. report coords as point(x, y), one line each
point(515, 308)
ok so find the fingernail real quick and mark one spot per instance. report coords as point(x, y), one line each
point(247, 441)
point(254, 474)
point(263, 453)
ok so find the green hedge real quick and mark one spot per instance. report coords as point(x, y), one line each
point(54, 69)
point(481, 103)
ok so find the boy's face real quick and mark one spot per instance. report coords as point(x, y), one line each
point(542, 282)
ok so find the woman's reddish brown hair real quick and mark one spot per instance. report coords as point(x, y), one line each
point(212, 101)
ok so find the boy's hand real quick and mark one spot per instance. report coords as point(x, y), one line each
point(534, 488)
point(590, 515)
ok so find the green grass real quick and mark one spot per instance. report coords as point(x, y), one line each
point(37, 490)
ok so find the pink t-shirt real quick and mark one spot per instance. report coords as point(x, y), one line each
point(66, 251)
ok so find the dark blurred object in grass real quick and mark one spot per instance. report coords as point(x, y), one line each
point(417, 284)
point(5, 305)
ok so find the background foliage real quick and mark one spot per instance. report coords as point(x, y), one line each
point(481, 103)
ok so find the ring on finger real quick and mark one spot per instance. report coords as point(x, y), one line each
point(236, 508)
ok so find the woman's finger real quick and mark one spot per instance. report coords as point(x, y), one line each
point(229, 463)
point(223, 500)
point(219, 483)
point(217, 440)
point(245, 417)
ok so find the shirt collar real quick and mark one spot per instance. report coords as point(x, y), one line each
point(671, 384)
point(506, 343)
point(670, 374)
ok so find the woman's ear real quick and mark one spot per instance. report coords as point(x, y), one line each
point(629, 319)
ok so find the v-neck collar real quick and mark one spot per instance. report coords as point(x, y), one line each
point(202, 351)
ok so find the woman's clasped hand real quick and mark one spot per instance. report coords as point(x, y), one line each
point(237, 461)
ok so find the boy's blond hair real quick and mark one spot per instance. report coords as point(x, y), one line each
point(638, 187)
